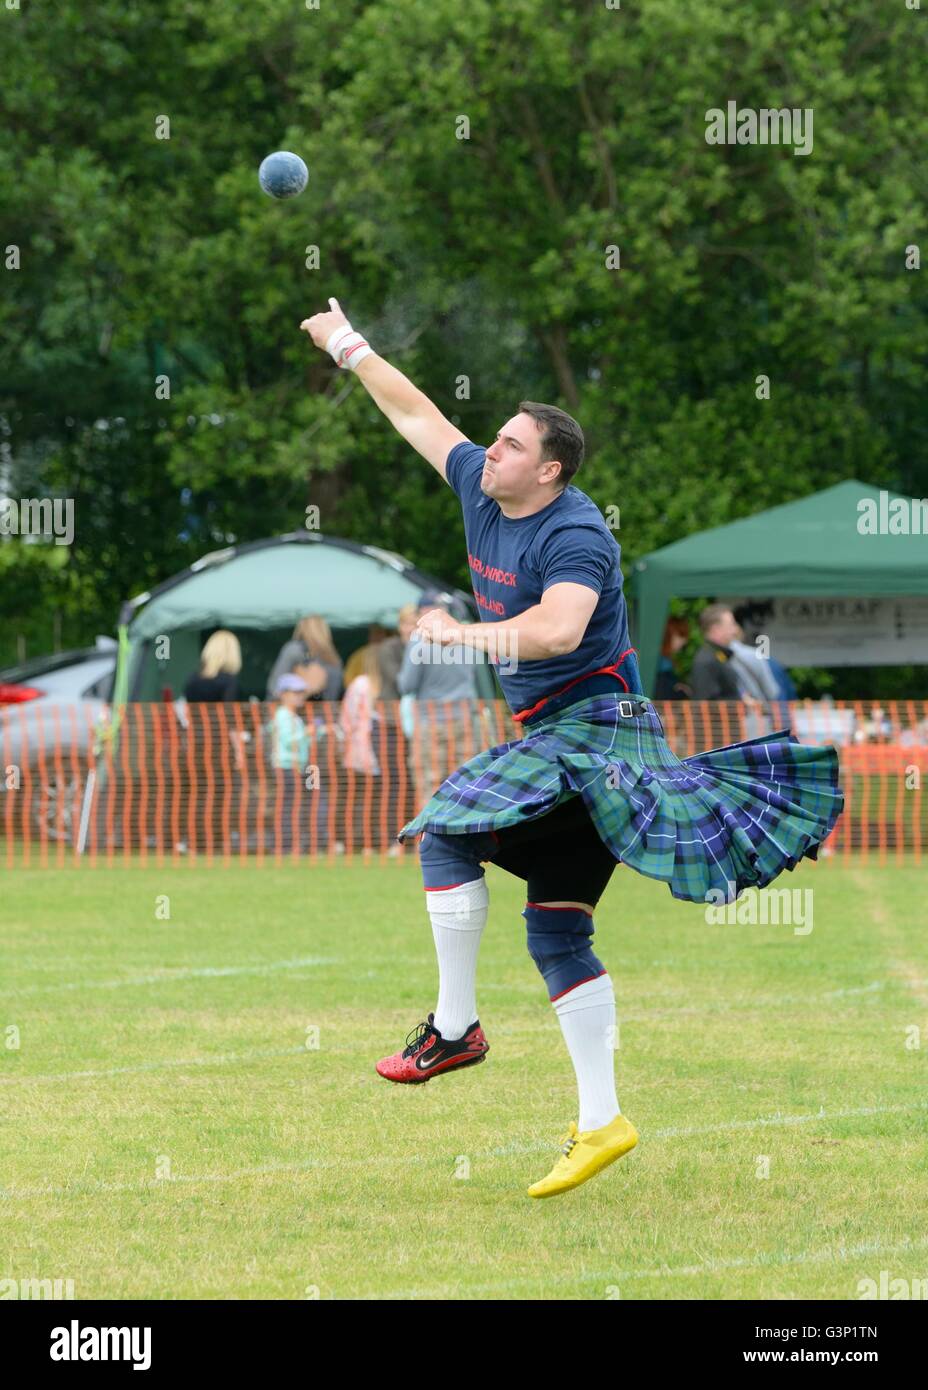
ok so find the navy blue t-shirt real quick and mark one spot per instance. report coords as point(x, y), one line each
point(514, 559)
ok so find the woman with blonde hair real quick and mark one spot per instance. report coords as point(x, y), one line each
point(310, 653)
point(397, 777)
point(217, 677)
point(215, 680)
point(357, 716)
point(360, 727)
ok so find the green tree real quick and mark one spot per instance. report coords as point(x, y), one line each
point(512, 201)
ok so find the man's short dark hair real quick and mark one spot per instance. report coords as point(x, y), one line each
point(561, 439)
point(711, 615)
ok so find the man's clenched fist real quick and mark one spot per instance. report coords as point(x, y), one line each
point(438, 626)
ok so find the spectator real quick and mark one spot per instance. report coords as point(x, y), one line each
point(359, 720)
point(289, 734)
point(439, 679)
point(398, 785)
point(354, 666)
point(450, 676)
point(292, 759)
point(712, 676)
point(786, 686)
point(391, 649)
point(752, 617)
point(752, 671)
point(215, 681)
point(357, 716)
point(217, 677)
point(310, 653)
point(668, 685)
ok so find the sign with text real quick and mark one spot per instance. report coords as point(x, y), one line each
point(870, 631)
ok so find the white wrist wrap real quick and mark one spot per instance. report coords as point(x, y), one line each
point(347, 347)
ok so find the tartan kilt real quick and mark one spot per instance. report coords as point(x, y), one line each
point(724, 820)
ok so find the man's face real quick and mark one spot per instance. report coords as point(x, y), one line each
point(724, 631)
point(513, 470)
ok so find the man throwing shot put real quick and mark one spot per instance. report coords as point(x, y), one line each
point(593, 782)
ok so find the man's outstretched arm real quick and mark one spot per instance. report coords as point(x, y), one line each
point(408, 409)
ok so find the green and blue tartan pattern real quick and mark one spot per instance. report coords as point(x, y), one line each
point(723, 820)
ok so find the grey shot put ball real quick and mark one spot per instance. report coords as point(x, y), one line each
point(283, 175)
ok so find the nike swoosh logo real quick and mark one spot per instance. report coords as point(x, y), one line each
point(423, 1064)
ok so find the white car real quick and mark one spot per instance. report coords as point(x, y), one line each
point(50, 711)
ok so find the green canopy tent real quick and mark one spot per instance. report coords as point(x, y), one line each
point(259, 591)
point(821, 545)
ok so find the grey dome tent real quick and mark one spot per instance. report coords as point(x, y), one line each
point(259, 590)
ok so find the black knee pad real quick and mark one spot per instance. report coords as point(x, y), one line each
point(560, 942)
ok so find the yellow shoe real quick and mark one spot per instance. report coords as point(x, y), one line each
point(585, 1153)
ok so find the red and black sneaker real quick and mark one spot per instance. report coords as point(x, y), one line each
point(427, 1053)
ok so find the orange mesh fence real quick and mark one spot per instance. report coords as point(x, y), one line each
point(208, 784)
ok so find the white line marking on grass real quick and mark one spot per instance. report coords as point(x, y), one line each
point(219, 1061)
point(611, 1277)
point(764, 1121)
point(721, 1006)
point(168, 976)
point(839, 1252)
point(763, 1001)
point(86, 1188)
point(854, 989)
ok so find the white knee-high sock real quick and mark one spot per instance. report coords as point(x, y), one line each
point(587, 1017)
point(459, 916)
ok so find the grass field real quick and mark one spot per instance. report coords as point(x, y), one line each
point(167, 1132)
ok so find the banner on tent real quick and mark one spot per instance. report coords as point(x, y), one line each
point(869, 631)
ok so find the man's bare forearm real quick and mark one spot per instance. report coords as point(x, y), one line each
point(529, 636)
point(408, 409)
point(391, 391)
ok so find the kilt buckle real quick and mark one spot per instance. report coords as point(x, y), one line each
point(626, 709)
